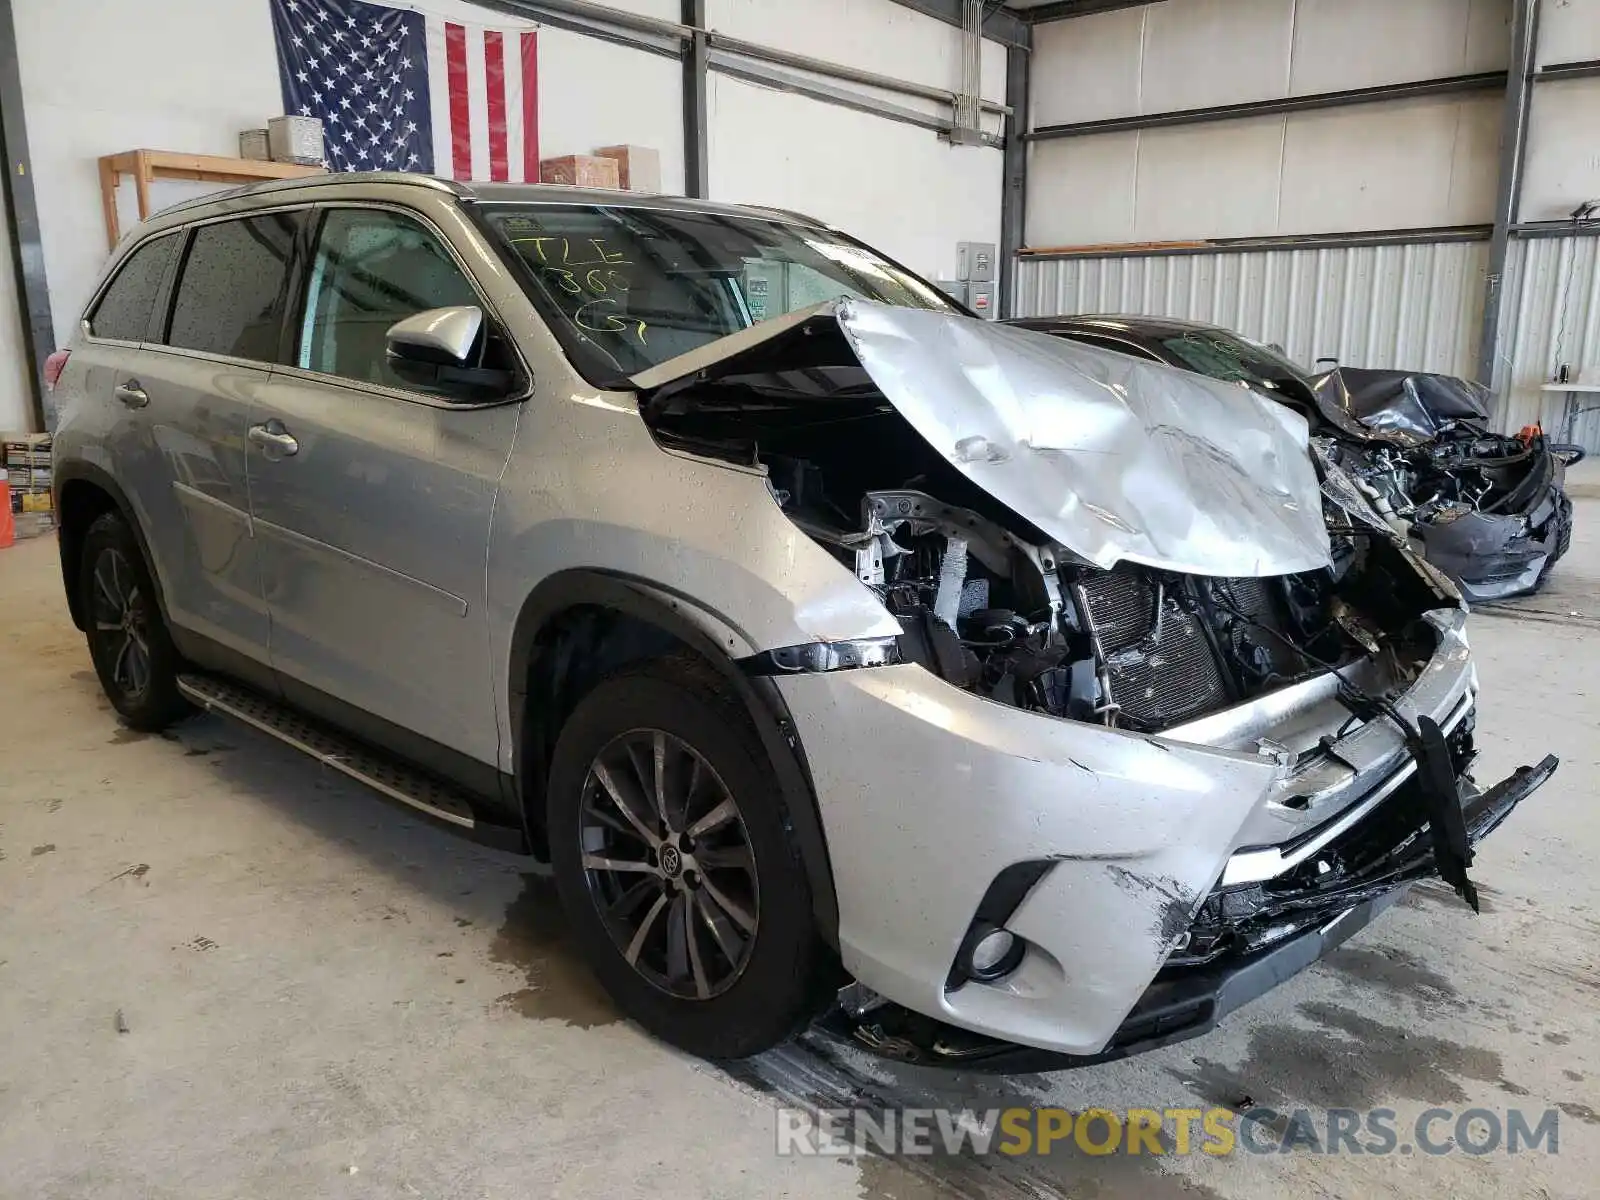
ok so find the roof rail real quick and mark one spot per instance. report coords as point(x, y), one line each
point(312, 182)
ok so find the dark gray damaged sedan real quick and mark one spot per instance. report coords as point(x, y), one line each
point(1487, 509)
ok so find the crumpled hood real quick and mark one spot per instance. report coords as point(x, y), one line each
point(1405, 408)
point(1115, 458)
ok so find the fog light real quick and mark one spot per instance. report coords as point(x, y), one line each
point(990, 953)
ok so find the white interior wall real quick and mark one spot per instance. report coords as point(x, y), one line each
point(897, 186)
point(870, 35)
point(1424, 162)
point(194, 93)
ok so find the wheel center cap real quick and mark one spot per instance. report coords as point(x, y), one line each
point(671, 861)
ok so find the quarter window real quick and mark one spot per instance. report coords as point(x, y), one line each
point(230, 298)
point(372, 268)
point(124, 311)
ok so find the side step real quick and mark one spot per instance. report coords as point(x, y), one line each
point(371, 767)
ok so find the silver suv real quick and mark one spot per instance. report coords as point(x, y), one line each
point(996, 699)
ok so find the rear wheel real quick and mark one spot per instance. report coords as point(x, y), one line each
point(133, 655)
point(677, 866)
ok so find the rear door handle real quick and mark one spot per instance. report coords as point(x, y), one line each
point(132, 394)
point(275, 439)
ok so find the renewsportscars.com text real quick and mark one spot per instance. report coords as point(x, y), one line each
point(1218, 1132)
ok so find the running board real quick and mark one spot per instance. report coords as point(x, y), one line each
point(378, 771)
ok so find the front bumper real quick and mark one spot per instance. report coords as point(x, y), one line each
point(928, 793)
point(1494, 556)
point(1185, 1001)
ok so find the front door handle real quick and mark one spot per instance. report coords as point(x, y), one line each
point(132, 394)
point(274, 439)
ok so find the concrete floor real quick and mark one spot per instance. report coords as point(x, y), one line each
point(324, 997)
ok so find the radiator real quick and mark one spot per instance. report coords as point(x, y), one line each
point(1156, 680)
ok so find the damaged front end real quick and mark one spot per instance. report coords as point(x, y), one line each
point(1488, 509)
point(1111, 542)
point(1261, 698)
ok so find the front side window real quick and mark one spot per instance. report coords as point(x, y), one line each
point(372, 268)
point(628, 288)
point(124, 311)
point(230, 295)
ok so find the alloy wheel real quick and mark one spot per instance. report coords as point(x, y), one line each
point(121, 625)
point(668, 863)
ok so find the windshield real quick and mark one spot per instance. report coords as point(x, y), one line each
point(1231, 359)
point(628, 288)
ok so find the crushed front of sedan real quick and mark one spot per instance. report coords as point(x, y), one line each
point(1172, 709)
point(1488, 509)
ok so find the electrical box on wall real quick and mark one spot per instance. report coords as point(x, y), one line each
point(956, 289)
point(975, 261)
point(980, 299)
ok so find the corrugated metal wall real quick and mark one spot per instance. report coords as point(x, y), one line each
point(1552, 316)
point(1412, 306)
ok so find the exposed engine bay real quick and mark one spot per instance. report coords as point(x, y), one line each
point(1131, 647)
point(993, 605)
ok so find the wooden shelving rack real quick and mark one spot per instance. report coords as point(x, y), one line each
point(147, 166)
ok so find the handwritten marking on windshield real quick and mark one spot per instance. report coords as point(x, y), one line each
point(583, 319)
point(605, 256)
point(601, 280)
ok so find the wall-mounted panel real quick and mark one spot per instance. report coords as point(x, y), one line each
point(1431, 161)
point(1563, 167)
point(897, 186)
point(1200, 181)
point(1203, 52)
point(1569, 31)
point(1197, 53)
point(1414, 307)
point(1081, 191)
point(1406, 165)
point(1342, 44)
point(1087, 68)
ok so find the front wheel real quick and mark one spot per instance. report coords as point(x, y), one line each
point(676, 864)
point(128, 641)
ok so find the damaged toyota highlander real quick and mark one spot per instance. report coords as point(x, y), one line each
point(999, 701)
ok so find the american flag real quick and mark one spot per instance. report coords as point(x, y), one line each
point(399, 90)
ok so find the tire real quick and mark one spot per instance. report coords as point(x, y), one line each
point(128, 640)
point(751, 970)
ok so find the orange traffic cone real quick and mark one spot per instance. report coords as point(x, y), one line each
point(8, 525)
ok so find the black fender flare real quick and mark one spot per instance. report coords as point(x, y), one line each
point(99, 477)
point(645, 601)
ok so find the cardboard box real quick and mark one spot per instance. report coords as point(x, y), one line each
point(579, 170)
point(638, 167)
point(295, 139)
point(254, 145)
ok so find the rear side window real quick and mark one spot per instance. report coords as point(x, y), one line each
point(124, 311)
point(230, 295)
point(1104, 343)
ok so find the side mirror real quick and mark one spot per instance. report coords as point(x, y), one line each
point(437, 351)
